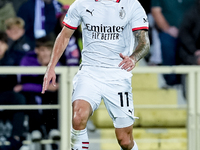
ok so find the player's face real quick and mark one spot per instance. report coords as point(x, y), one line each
point(43, 55)
point(3, 48)
point(15, 32)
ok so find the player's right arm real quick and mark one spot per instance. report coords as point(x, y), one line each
point(60, 44)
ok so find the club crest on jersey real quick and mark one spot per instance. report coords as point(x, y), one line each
point(122, 13)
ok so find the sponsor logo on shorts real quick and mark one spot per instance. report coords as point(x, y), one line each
point(131, 111)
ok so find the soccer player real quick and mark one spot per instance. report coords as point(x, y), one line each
point(115, 38)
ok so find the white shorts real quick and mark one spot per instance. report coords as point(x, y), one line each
point(117, 95)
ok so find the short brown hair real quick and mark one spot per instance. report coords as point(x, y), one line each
point(14, 21)
point(45, 41)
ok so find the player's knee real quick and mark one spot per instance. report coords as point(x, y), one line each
point(79, 120)
point(125, 143)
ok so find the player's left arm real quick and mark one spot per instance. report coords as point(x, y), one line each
point(142, 48)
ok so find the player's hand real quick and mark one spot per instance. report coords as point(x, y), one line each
point(48, 77)
point(127, 63)
point(52, 87)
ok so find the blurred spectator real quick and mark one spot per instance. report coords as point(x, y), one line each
point(189, 35)
point(72, 54)
point(18, 43)
point(17, 4)
point(31, 86)
point(9, 97)
point(155, 57)
point(40, 17)
point(168, 15)
point(6, 11)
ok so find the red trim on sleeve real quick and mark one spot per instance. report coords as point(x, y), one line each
point(84, 147)
point(74, 28)
point(140, 28)
point(117, 1)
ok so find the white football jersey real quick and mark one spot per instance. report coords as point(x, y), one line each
point(107, 29)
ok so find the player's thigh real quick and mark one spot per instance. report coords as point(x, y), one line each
point(119, 103)
point(86, 91)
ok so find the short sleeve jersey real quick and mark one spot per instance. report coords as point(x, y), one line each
point(106, 28)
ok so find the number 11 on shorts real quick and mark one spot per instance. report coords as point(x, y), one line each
point(125, 94)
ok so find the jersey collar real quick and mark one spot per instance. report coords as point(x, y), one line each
point(117, 1)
